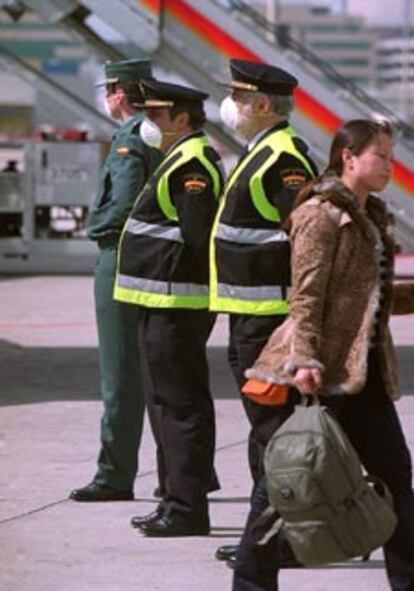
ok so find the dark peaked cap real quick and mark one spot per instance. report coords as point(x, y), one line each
point(259, 77)
point(165, 94)
point(126, 71)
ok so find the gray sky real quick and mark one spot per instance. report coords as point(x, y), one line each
point(377, 12)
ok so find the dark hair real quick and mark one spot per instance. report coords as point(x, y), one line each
point(131, 89)
point(355, 135)
point(133, 92)
point(195, 110)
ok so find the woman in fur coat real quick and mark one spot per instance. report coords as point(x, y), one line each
point(336, 341)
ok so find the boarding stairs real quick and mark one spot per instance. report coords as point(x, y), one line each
point(196, 38)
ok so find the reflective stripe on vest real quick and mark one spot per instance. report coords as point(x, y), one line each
point(157, 293)
point(264, 299)
point(160, 294)
point(250, 235)
point(250, 293)
point(162, 287)
point(156, 231)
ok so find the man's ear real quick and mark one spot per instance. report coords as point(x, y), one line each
point(121, 96)
point(263, 105)
point(181, 121)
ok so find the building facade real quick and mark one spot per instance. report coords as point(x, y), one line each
point(342, 40)
point(395, 71)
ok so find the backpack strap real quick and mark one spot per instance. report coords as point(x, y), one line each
point(309, 400)
point(271, 532)
point(267, 516)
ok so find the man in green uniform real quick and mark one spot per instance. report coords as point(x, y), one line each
point(250, 270)
point(163, 269)
point(129, 164)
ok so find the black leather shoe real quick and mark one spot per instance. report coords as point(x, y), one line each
point(94, 492)
point(169, 527)
point(286, 557)
point(226, 552)
point(138, 520)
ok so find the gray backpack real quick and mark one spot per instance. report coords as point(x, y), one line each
point(329, 511)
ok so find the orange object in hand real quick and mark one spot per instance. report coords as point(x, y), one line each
point(266, 394)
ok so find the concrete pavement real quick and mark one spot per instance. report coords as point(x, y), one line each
point(49, 430)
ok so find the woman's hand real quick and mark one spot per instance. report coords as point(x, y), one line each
point(308, 381)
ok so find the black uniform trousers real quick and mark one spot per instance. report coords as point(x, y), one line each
point(173, 345)
point(371, 422)
point(248, 335)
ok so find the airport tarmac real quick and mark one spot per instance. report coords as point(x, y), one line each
point(49, 430)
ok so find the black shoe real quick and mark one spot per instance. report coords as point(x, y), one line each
point(286, 557)
point(138, 520)
point(226, 552)
point(168, 527)
point(94, 492)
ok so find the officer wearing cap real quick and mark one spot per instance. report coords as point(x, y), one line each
point(126, 169)
point(163, 269)
point(249, 275)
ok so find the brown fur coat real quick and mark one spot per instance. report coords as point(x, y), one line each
point(335, 294)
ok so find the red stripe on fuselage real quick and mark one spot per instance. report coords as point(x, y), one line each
point(231, 48)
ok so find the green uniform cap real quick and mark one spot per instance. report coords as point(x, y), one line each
point(126, 71)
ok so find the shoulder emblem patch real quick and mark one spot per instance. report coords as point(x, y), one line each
point(195, 183)
point(122, 150)
point(293, 178)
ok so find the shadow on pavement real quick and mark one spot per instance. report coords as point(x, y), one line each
point(31, 375)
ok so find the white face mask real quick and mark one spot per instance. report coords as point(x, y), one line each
point(229, 113)
point(240, 118)
point(150, 133)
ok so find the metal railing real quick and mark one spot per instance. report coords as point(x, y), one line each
point(28, 71)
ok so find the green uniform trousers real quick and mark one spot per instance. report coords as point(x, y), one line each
point(121, 388)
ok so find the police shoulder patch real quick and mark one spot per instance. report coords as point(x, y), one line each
point(122, 150)
point(293, 177)
point(195, 183)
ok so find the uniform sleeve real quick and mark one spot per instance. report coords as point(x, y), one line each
point(129, 172)
point(192, 192)
point(127, 168)
point(283, 181)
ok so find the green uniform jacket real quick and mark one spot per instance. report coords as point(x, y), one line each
point(128, 165)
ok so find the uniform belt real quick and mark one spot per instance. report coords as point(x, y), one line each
point(108, 241)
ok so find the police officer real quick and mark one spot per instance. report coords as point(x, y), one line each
point(163, 268)
point(126, 169)
point(250, 274)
